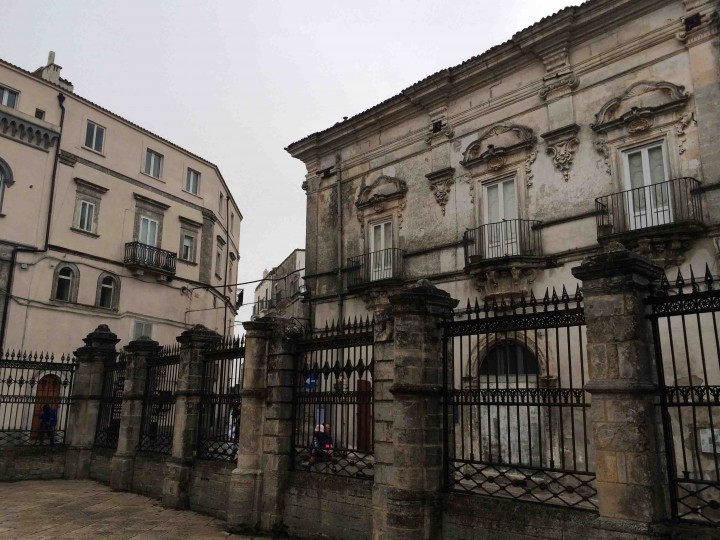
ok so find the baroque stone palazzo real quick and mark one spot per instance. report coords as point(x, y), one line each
point(497, 176)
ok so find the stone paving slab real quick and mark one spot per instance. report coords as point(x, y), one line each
point(83, 509)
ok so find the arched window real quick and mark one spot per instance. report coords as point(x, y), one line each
point(509, 358)
point(65, 284)
point(6, 180)
point(108, 291)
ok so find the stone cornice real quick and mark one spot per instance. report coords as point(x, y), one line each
point(569, 26)
point(150, 202)
point(27, 129)
point(90, 185)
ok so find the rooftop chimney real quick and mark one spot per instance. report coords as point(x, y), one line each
point(51, 73)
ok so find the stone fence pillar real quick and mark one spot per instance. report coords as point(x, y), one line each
point(413, 499)
point(178, 469)
point(243, 510)
point(626, 427)
point(99, 351)
point(123, 462)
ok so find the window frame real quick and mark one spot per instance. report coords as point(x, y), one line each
point(6, 91)
point(115, 294)
point(193, 249)
point(148, 163)
point(144, 323)
point(93, 147)
point(187, 186)
point(88, 193)
point(89, 225)
point(73, 286)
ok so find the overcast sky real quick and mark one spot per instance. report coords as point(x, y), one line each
point(237, 81)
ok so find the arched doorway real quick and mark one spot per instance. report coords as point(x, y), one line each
point(508, 426)
point(48, 391)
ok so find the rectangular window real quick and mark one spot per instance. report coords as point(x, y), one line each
point(8, 97)
point(94, 136)
point(39, 114)
point(153, 164)
point(141, 329)
point(86, 217)
point(148, 231)
point(649, 195)
point(501, 214)
point(220, 202)
point(192, 182)
point(187, 250)
point(381, 255)
point(218, 262)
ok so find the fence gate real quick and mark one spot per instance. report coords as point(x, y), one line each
point(158, 414)
point(29, 382)
point(516, 414)
point(333, 404)
point(108, 427)
point(684, 318)
point(220, 401)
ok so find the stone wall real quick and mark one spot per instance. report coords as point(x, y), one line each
point(470, 516)
point(209, 487)
point(149, 474)
point(318, 506)
point(32, 463)
point(100, 464)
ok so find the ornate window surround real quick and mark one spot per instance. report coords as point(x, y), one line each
point(382, 200)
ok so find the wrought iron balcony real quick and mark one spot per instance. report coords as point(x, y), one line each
point(508, 238)
point(145, 257)
point(671, 205)
point(376, 267)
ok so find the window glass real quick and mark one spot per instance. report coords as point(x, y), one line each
point(192, 181)
point(188, 248)
point(87, 214)
point(2, 187)
point(107, 288)
point(94, 136)
point(142, 329)
point(64, 285)
point(8, 97)
point(152, 163)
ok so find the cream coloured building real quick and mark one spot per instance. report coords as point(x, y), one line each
point(104, 222)
point(280, 291)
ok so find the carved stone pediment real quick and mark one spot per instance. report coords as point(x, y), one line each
point(440, 183)
point(636, 108)
point(384, 189)
point(558, 84)
point(497, 143)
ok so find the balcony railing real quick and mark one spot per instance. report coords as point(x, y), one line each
point(377, 266)
point(509, 238)
point(143, 256)
point(672, 202)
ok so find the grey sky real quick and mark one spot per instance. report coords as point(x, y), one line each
point(236, 82)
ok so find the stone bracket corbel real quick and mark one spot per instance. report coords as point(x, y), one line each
point(440, 183)
point(562, 144)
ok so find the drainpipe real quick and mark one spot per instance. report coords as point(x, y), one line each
point(340, 239)
point(227, 259)
point(16, 250)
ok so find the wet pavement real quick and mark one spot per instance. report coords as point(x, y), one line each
point(84, 509)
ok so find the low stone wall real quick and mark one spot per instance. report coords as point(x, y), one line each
point(32, 463)
point(318, 506)
point(209, 487)
point(467, 517)
point(149, 474)
point(100, 464)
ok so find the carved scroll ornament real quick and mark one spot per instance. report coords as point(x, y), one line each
point(496, 143)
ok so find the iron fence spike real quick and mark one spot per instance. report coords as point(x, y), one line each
point(708, 278)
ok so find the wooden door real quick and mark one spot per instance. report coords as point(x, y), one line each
point(364, 416)
point(48, 391)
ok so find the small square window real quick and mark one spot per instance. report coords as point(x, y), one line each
point(94, 136)
point(8, 97)
point(192, 181)
point(86, 216)
point(187, 250)
point(153, 164)
point(141, 329)
point(39, 114)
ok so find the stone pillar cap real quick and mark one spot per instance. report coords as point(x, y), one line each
point(143, 343)
point(198, 334)
point(616, 261)
point(423, 296)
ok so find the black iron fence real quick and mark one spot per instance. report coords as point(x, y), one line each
point(143, 255)
point(220, 402)
point(35, 391)
point(509, 238)
point(664, 203)
point(158, 414)
point(333, 428)
point(516, 414)
point(383, 265)
point(685, 326)
point(108, 426)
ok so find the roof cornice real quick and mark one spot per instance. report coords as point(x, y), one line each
point(549, 36)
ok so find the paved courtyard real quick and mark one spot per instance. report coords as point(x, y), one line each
point(86, 509)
